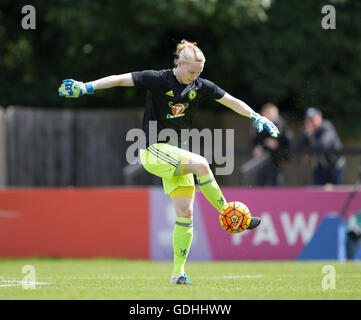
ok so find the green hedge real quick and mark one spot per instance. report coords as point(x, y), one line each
point(257, 50)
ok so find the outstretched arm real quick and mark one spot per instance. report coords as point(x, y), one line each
point(245, 110)
point(122, 80)
point(236, 105)
point(71, 88)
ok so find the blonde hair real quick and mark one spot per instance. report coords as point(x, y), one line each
point(189, 52)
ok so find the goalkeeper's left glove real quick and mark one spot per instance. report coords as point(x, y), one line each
point(263, 122)
point(71, 88)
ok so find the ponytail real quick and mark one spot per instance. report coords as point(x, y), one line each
point(188, 52)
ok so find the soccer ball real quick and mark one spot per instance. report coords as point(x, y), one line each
point(235, 217)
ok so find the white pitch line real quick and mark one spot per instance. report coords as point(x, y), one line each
point(18, 283)
point(245, 276)
point(8, 285)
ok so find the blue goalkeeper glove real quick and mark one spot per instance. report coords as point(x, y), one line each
point(71, 88)
point(263, 122)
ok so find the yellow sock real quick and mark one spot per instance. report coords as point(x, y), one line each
point(210, 189)
point(182, 239)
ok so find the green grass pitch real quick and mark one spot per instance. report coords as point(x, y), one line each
point(147, 280)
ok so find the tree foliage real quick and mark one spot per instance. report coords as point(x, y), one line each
point(257, 50)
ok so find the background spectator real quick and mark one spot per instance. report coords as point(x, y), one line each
point(271, 171)
point(320, 135)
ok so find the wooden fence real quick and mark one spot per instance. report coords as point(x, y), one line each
point(42, 147)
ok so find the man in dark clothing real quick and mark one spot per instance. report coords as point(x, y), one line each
point(271, 171)
point(320, 136)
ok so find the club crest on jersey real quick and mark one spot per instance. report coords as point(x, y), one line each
point(192, 94)
point(177, 110)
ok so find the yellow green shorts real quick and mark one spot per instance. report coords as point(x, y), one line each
point(167, 162)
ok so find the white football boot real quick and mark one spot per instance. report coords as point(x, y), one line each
point(180, 279)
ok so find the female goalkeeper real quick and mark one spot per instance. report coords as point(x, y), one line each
point(172, 99)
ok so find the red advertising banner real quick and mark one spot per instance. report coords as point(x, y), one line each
point(81, 223)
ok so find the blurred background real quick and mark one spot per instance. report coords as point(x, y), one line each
point(258, 50)
point(264, 52)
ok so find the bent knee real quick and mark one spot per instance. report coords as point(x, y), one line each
point(200, 166)
point(204, 168)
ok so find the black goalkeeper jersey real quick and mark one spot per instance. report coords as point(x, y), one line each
point(172, 104)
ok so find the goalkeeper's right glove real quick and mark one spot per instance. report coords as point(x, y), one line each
point(71, 88)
